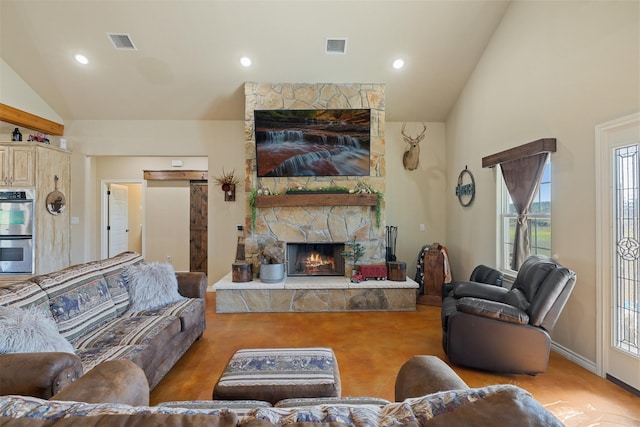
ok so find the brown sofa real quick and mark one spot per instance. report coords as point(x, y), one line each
point(91, 305)
point(428, 393)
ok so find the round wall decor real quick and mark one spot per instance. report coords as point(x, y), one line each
point(466, 188)
point(56, 202)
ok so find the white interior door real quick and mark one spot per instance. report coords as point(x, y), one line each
point(118, 219)
point(619, 246)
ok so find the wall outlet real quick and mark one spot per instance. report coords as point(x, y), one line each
point(239, 227)
point(421, 227)
point(169, 259)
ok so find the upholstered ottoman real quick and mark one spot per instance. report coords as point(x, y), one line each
point(274, 374)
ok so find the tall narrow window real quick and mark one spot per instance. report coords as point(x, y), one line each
point(627, 234)
point(539, 219)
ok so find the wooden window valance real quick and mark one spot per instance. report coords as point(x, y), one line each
point(544, 145)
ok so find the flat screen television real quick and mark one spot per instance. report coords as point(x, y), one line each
point(313, 142)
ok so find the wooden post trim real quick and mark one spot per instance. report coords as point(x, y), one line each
point(31, 121)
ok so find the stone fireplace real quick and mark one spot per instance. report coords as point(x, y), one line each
point(315, 259)
point(314, 221)
point(304, 221)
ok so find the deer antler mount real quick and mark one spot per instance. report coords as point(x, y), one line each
point(411, 156)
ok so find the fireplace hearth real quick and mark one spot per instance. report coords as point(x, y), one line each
point(315, 259)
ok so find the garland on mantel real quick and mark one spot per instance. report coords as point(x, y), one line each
point(360, 188)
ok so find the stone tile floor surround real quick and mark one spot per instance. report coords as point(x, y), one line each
point(314, 294)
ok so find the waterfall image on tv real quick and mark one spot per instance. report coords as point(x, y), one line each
point(312, 142)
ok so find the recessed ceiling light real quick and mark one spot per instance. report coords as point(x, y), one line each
point(398, 63)
point(245, 61)
point(81, 59)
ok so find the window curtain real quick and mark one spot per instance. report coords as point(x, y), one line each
point(522, 178)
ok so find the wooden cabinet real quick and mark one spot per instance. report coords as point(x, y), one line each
point(37, 165)
point(52, 239)
point(17, 163)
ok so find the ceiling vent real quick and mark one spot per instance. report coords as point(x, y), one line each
point(336, 45)
point(121, 41)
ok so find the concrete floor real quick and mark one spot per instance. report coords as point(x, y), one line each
point(370, 348)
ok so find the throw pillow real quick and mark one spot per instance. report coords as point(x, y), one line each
point(30, 330)
point(152, 285)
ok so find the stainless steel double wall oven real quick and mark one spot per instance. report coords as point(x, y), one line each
point(16, 231)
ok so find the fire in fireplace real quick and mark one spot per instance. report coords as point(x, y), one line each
point(315, 259)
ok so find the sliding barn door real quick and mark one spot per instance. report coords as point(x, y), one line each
point(198, 226)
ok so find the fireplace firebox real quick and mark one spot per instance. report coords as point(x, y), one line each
point(315, 259)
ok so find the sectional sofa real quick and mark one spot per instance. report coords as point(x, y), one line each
point(428, 393)
point(58, 326)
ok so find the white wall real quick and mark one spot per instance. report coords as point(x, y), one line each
point(135, 217)
point(167, 223)
point(17, 94)
point(416, 197)
point(95, 142)
point(166, 204)
point(552, 69)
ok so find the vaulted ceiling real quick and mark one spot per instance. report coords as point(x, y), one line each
point(186, 65)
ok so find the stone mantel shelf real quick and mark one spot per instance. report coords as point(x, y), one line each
point(316, 199)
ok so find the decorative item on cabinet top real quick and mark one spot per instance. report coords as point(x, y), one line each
point(16, 135)
point(56, 202)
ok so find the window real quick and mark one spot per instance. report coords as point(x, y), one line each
point(539, 221)
point(627, 229)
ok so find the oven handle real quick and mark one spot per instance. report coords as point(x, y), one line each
point(14, 237)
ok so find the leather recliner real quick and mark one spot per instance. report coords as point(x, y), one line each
point(481, 274)
point(507, 330)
